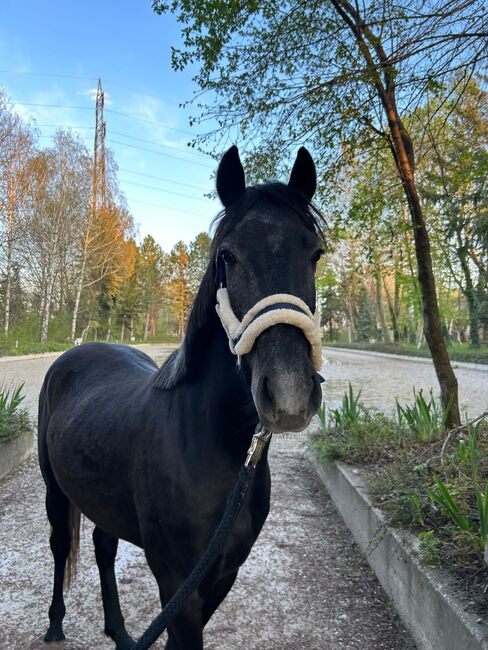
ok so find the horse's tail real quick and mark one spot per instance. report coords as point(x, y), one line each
point(74, 529)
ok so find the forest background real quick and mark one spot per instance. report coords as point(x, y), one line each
point(68, 273)
point(74, 270)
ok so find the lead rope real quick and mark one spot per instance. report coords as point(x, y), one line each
point(235, 501)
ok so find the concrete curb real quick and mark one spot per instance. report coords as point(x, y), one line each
point(13, 452)
point(28, 357)
point(405, 357)
point(422, 597)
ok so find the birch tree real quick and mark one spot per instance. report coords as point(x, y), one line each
point(16, 146)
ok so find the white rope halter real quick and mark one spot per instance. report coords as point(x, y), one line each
point(272, 310)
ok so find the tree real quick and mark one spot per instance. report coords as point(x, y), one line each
point(57, 196)
point(365, 325)
point(103, 229)
point(333, 72)
point(16, 146)
point(129, 298)
point(152, 281)
point(455, 171)
point(179, 284)
point(198, 256)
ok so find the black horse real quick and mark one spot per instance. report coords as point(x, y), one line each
point(150, 455)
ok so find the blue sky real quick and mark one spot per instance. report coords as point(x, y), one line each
point(53, 52)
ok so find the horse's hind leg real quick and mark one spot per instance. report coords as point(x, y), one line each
point(58, 512)
point(105, 552)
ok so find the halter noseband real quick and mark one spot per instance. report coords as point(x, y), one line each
point(271, 310)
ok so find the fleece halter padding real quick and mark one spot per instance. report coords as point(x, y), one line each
point(272, 310)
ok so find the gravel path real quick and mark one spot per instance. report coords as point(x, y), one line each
point(304, 587)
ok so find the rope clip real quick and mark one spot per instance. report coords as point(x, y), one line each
point(259, 441)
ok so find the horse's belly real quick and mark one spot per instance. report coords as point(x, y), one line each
point(96, 481)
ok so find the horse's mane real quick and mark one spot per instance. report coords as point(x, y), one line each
point(186, 361)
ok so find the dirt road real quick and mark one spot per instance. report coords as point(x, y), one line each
point(304, 587)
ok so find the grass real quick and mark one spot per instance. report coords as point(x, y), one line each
point(434, 485)
point(457, 351)
point(14, 421)
point(17, 348)
point(14, 348)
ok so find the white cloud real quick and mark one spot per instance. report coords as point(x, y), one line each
point(91, 93)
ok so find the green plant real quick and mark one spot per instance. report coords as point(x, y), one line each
point(322, 415)
point(444, 499)
point(13, 420)
point(444, 495)
point(10, 401)
point(423, 418)
point(429, 547)
point(349, 411)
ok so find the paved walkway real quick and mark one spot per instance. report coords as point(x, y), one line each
point(304, 587)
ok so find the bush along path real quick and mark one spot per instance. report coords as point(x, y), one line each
point(432, 482)
point(16, 429)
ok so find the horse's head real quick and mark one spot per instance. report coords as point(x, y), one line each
point(266, 245)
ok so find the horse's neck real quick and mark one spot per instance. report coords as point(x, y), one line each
point(228, 406)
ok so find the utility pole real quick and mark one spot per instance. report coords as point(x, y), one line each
point(98, 203)
point(99, 183)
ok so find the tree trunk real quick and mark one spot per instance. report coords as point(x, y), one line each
point(74, 319)
point(8, 286)
point(8, 269)
point(470, 294)
point(79, 289)
point(400, 143)
point(379, 307)
point(146, 326)
point(393, 315)
point(430, 308)
point(46, 312)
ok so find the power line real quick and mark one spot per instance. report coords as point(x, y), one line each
point(65, 126)
point(124, 135)
point(141, 119)
point(108, 110)
point(81, 108)
point(164, 207)
point(158, 144)
point(158, 189)
point(161, 178)
point(81, 78)
point(47, 74)
point(156, 153)
point(161, 153)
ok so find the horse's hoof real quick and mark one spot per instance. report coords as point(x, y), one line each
point(126, 643)
point(54, 633)
point(123, 640)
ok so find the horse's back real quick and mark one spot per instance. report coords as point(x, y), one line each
point(91, 368)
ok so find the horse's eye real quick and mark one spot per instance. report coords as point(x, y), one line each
point(227, 257)
point(316, 256)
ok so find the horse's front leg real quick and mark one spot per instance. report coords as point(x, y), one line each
point(186, 630)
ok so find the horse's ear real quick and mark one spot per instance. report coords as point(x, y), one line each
point(231, 181)
point(303, 176)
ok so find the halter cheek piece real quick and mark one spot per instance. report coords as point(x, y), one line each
point(272, 310)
